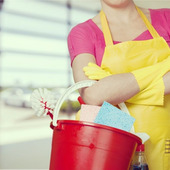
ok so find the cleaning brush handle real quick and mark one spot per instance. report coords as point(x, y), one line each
point(80, 100)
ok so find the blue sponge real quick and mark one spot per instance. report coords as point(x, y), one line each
point(112, 116)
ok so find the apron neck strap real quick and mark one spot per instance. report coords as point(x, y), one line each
point(106, 30)
point(149, 26)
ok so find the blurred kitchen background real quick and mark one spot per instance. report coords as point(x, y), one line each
point(33, 54)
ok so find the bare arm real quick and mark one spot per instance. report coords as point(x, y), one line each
point(113, 89)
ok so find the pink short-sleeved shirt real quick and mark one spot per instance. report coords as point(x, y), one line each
point(86, 37)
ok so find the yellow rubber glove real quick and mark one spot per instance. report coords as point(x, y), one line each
point(94, 72)
point(151, 74)
point(150, 80)
point(152, 95)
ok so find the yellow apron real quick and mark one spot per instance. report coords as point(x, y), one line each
point(153, 119)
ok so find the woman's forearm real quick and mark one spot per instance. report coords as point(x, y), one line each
point(113, 89)
point(116, 89)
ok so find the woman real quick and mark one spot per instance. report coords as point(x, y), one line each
point(133, 59)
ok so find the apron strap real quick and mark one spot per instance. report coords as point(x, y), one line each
point(106, 30)
point(149, 26)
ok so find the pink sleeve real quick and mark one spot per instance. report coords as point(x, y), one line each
point(79, 41)
point(166, 25)
point(161, 21)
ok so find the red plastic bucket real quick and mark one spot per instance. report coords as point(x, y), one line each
point(79, 145)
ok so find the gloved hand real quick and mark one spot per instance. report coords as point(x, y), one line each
point(150, 81)
point(94, 72)
point(151, 74)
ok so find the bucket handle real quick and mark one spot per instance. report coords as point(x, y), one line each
point(76, 86)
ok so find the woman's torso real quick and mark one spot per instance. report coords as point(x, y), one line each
point(95, 40)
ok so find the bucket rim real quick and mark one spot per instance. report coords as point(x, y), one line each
point(59, 122)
